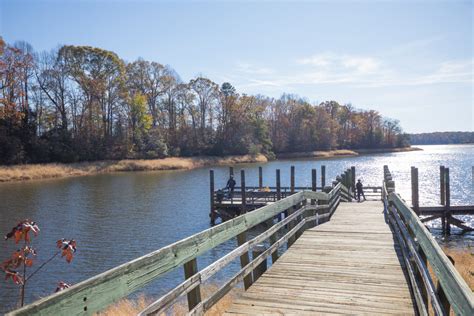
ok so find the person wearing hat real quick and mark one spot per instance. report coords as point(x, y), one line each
point(360, 190)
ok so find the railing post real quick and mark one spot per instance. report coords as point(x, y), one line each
point(260, 178)
point(447, 212)
point(415, 190)
point(272, 240)
point(242, 185)
point(323, 176)
point(292, 209)
point(194, 296)
point(443, 299)
point(262, 267)
point(212, 213)
point(244, 259)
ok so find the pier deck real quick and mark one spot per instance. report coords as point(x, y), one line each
point(351, 264)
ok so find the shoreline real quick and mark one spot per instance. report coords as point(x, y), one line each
point(28, 172)
point(342, 153)
point(19, 173)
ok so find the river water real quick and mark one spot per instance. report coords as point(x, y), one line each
point(119, 217)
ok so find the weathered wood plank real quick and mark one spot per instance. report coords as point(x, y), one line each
point(336, 267)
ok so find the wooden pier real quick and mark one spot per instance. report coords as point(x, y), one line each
point(327, 255)
point(445, 210)
point(352, 264)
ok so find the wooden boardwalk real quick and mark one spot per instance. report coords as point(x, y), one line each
point(349, 265)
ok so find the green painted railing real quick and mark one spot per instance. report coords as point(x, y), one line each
point(421, 250)
point(98, 292)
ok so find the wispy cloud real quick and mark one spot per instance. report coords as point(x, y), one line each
point(354, 70)
point(359, 64)
point(252, 69)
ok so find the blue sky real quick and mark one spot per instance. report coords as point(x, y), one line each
point(410, 60)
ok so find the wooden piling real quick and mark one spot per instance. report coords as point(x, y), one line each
point(292, 179)
point(242, 185)
point(260, 178)
point(442, 192)
point(212, 213)
point(323, 176)
point(415, 190)
point(353, 178)
point(194, 296)
point(278, 187)
point(313, 184)
point(447, 211)
point(231, 171)
point(262, 267)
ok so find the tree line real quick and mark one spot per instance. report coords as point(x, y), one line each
point(437, 138)
point(81, 103)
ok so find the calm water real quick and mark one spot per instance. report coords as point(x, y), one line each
point(118, 217)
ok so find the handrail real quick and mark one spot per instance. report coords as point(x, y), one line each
point(455, 288)
point(120, 281)
point(420, 248)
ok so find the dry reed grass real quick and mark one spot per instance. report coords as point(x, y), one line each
point(56, 170)
point(464, 263)
point(127, 307)
point(319, 154)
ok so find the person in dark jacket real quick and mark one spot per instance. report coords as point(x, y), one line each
point(231, 185)
point(360, 190)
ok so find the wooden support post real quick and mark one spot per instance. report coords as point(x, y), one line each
point(313, 184)
point(194, 296)
point(415, 190)
point(273, 239)
point(443, 299)
point(231, 171)
point(442, 192)
point(244, 259)
point(424, 292)
point(447, 211)
point(262, 267)
point(353, 178)
point(442, 195)
point(212, 213)
point(242, 185)
point(292, 180)
point(278, 187)
point(260, 178)
point(292, 209)
point(323, 176)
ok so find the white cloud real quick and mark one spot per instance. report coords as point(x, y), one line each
point(251, 69)
point(334, 62)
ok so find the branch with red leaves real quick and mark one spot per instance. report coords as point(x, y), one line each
point(23, 258)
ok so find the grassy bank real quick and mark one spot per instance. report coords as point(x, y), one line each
point(342, 153)
point(57, 170)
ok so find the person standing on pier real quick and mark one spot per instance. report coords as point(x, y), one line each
point(360, 190)
point(231, 185)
